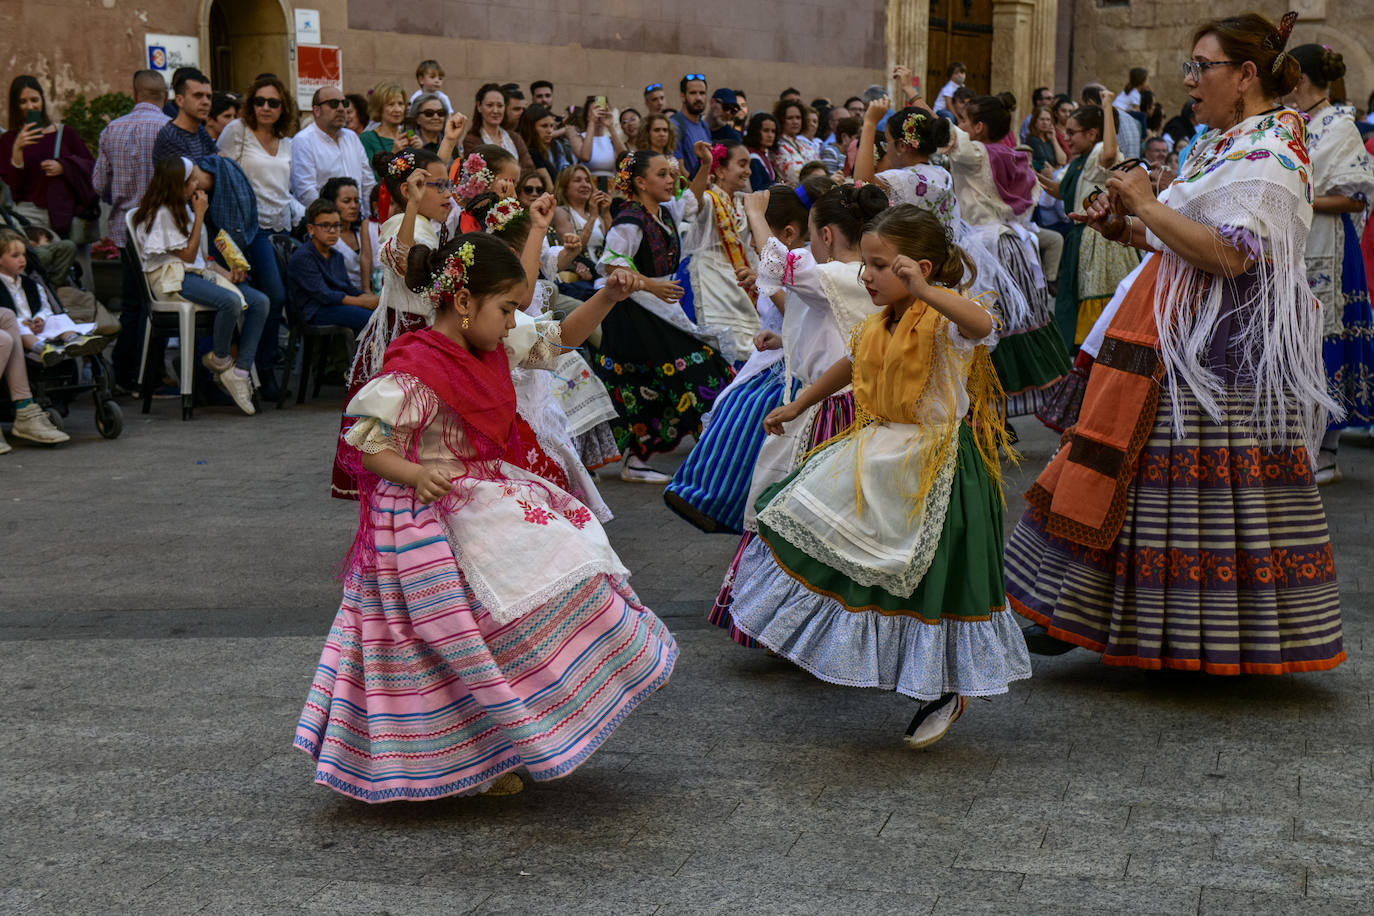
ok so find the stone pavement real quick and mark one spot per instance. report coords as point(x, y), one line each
point(164, 598)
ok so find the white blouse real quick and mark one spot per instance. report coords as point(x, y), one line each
point(269, 175)
point(603, 155)
point(973, 184)
point(162, 243)
point(623, 241)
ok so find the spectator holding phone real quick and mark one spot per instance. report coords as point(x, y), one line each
point(388, 108)
point(600, 146)
point(48, 169)
point(583, 210)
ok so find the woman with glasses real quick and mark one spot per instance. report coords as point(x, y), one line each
point(388, 108)
point(486, 127)
point(530, 187)
point(428, 118)
point(1179, 526)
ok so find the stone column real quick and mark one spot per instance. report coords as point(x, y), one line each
point(1023, 48)
point(908, 40)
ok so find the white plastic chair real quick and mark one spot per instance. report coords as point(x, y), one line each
point(187, 313)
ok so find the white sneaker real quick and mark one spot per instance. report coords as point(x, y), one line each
point(238, 388)
point(5, 447)
point(642, 473)
point(933, 720)
point(32, 423)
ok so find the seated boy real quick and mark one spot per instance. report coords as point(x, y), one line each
point(317, 280)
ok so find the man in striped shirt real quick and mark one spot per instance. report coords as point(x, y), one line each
point(123, 168)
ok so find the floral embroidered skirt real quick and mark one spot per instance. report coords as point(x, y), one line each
point(953, 634)
point(1223, 563)
point(1349, 355)
point(661, 378)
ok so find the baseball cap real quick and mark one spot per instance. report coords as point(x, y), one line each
point(726, 97)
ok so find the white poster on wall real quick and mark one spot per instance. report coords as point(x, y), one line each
point(167, 52)
point(307, 27)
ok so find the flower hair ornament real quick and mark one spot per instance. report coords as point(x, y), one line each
point(621, 182)
point(503, 214)
point(476, 177)
point(1278, 39)
point(454, 276)
point(718, 156)
point(912, 123)
point(401, 164)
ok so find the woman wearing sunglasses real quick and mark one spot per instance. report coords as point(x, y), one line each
point(1179, 525)
point(431, 122)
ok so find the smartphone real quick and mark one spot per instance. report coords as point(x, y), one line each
point(602, 182)
point(33, 117)
point(601, 100)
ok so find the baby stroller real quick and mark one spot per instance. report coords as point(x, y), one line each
point(56, 386)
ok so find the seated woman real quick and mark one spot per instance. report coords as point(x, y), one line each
point(172, 240)
point(357, 239)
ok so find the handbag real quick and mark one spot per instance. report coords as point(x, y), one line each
point(86, 220)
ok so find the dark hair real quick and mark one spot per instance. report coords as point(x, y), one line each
point(849, 210)
point(1008, 99)
point(962, 94)
point(484, 90)
point(1036, 92)
point(932, 133)
point(513, 94)
point(513, 233)
point(786, 208)
point(919, 234)
point(18, 85)
point(358, 102)
point(525, 128)
point(167, 188)
point(330, 193)
point(494, 265)
point(729, 146)
point(852, 98)
point(812, 169)
point(625, 111)
point(1091, 95)
point(149, 82)
point(540, 84)
point(1322, 65)
point(494, 156)
point(638, 160)
point(682, 84)
point(381, 164)
point(755, 128)
point(286, 123)
point(186, 75)
point(848, 127)
point(1136, 78)
point(780, 112)
point(428, 66)
point(1252, 38)
point(641, 139)
point(790, 90)
point(741, 93)
point(1092, 117)
point(322, 204)
point(991, 111)
point(953, 68)
point(221, 101)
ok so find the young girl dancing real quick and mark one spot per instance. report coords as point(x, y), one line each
point(878, 563)
point(711, 487)
point(662, 370)
point(486, 624)
point(718, 241)
point(420, 210)
point(826, 300)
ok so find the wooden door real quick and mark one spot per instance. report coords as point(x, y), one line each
point(960, 30)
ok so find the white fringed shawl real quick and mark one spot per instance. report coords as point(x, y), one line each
point(1253, 183)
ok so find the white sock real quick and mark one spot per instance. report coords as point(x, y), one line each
point(240, 373)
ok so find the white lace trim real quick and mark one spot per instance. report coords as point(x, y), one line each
point(772, 267)
point(371, 436)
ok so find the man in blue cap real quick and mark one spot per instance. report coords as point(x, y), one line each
point(721, 117)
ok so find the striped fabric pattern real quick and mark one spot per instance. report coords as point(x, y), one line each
point(419, 693)
point(712, 485)
point(1223, 563)
point(836, 414)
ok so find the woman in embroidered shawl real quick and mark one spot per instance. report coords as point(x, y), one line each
point(487, 625)
point(1342, 185)
point(878, 562)
point(1179, 525)
point(662, 371)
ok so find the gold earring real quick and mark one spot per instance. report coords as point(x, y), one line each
point(465, 322)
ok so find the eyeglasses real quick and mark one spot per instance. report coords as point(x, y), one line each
point(443, 187)
point(432, 113)
point(652, 87)
point(262, 101)
point(328, 227)
point(694, 76)
point(532, 189)
point(1193, 69)
point(335, 103)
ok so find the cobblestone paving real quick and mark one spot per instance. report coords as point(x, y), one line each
point(164, 598)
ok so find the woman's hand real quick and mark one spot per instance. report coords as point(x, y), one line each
point(667, 290)
point(541, 212)
point(600, 203)
point(622, 283)
point(454, 127)
point(767, 340)
point(431, 485)
point(200, 202)
point(27, 137)
point(772, 424)
point(51, 167)
point(909, 272)
point(237, 276)
point(876, 109)
point(401, 142)
point(1132, 187)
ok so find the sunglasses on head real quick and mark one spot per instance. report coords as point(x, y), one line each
point(694, 76)
point(335, 103)
point(652, 87)
point(262, 101)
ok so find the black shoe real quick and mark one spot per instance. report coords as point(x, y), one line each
point(1039, 641)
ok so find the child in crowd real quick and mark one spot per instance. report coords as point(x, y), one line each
point(317, 275)
point(879, 562)
point(169, 225)
point(429, 75)
point(711, 487)
point(30, 421)
point(487, 625)
point(717, 239)
point(45, 330)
